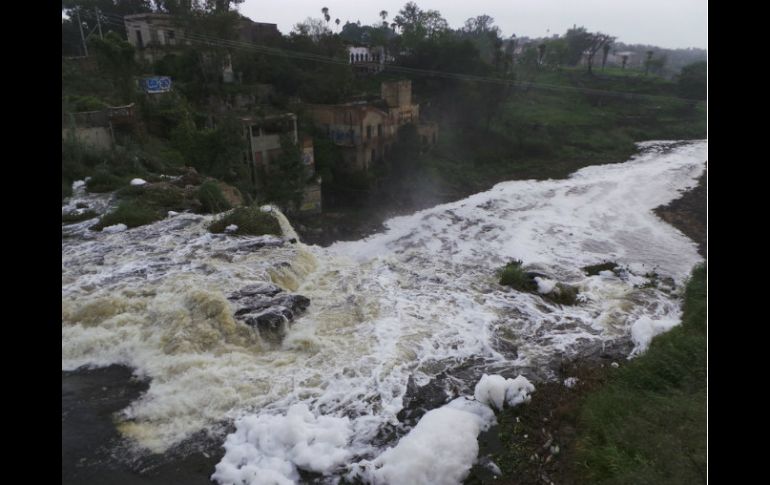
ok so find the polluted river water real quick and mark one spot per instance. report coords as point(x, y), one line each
point(388, 313)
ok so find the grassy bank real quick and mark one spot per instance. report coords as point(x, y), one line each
point(643, 422)
point(566, 121)
point(542, 133)
point(648, 423)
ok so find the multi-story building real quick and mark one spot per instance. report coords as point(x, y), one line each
point(367, 130)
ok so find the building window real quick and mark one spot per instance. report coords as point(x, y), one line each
point(374, 154)
point(139, 41)
point(369, 132)
point(379, 129)
point(170, 37)
point(352, 58)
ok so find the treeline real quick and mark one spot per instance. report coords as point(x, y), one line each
point(309, 65)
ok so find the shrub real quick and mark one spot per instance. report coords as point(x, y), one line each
point(595, 269)
point(211, 198)
point(514, 276)
point(72, 217)
point(250, 221)
point(104, 181)
point(130, 213)
point(563, 294)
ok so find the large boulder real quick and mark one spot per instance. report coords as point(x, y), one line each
point(268, 309)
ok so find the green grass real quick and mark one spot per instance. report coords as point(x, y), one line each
point(131, 213)
point(250, 221)
point(514, 276)
point(72, 217)
point(648, 423)
point(595, 269)
point(211, 198)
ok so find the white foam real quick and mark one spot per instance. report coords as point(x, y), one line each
point(115, 228)
point(77, 184)
point(496, 391)
point(138, 181)
point(441, 449)
point(570, 382)
point(544, 285)
point(268, 449)
point(412, 302)
point(231, 228)
point(645, 328)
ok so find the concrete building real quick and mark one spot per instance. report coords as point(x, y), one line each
point(97, 128)
point(152, 34)
point(263, 135)
point(366, 130)
point(368, 59)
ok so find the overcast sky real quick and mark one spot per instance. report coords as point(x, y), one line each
point(664, 23)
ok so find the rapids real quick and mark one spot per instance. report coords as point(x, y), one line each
point(415, 301)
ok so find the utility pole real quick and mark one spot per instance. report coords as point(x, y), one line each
point(98, 22)
point(82, 37)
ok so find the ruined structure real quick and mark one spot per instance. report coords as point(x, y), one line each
point(367, 130)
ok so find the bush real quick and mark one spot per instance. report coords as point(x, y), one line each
point(104, 181)
point(211, 198)
point(130, 213)
point(250, 221)
point(72, 217)
point(66, 189)
point(595, 269)
point(514, 276)
point(563, 294)
point(162, 196)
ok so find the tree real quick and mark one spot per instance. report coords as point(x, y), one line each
point(606, 49)
point(417, 24)
point(597, 41)
point(647, 62)
point(625, 60)
point(315, 29)
point(115, 57)
point(325, 12)
point(692, 81)
point(541, 53)
point(486, 37)
point(284, 179)
point(578, 41)
point(384, 16)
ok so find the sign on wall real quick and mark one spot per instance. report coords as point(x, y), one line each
point(161, 84)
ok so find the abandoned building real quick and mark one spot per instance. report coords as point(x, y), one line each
point(368, 59)
point(263, 136)
point(155, 35)
point(367, 130)
point(97, 129)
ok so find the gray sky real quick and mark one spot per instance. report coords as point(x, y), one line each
point(664, 23)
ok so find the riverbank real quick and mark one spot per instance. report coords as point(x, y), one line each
point(609, 420)
point(536, 134)
point(689, 214)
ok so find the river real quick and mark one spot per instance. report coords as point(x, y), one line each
point(416, 305)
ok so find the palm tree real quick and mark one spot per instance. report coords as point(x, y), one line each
point(337, 21)
point(606, 48)
point(325, 11)
point(384, 15)
point(647, 62)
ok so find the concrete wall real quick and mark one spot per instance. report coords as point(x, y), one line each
point(397, 93)
point(97, 137)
